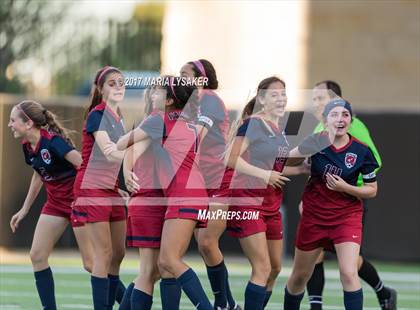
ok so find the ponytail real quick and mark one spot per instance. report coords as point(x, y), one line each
point(53, 125)
point(42, 118)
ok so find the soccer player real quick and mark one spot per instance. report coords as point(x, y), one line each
point(145, 220)
point(332, 206)
point(322, 93)
point(98, 203)
point(258, 155)
point(213, 127)
point(49, 150)
point(175, 141)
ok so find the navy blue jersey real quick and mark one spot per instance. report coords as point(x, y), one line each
point(48, 157)
point(325, 206)
point(346, 162)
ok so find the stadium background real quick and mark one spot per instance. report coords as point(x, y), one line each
point(49, 51)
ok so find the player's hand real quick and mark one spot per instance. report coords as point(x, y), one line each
point(300, 207)
point(14, 222)
point(109, 148)
point(277, 179)
point(131, 182)
point(336, 183)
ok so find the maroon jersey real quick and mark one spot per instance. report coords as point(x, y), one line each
point(213, 115)
point(175, 143)
point(96, 172)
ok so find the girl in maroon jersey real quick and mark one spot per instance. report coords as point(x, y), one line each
point(213, 126)
point(258, 154)
point(97, 199)
point(332, 207)
point(50, 151)
point(174, 140)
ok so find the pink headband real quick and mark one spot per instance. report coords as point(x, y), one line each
point(172, 88)
point(21, 110)
point(200, 67)
point(105, 70)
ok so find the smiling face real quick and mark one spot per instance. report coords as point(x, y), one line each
point(274, 99)
point(338, 121)
point(113, 89)
point(16, 124)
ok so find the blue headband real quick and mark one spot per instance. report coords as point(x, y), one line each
point(337, 103)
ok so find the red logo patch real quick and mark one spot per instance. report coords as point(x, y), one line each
point(350, 160)
point(46, 156)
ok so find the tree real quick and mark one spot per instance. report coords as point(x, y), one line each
point(24, 26)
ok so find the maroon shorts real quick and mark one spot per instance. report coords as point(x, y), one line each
point(243, 227)
point(94, 209)
point(311, 236)
point(189, 212)
point(145, 221)
point(223, 191)
point(57, 210)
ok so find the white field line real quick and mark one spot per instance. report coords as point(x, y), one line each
point(332, 274)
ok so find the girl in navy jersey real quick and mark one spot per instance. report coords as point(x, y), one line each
point(174, 141)
point(213, 126)
point(97, 199)
point(258, 154)
point(332, 206)
point(49, 150)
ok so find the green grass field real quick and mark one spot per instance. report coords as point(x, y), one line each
point(17, 287)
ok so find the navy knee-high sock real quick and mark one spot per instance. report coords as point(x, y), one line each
point(231, 301)
point(353, 300)
point(217, 275)
point(141, 300)
point(114, 281)
point(119, 293)
point(254, 296)
point(315, 287)
point(125, 303)
point(100, 287)
point(191, 286)
point(170, 294)
point(267, 297)
point(45, 285)
point(291, 302)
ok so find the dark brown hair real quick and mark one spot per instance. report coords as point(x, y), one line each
point(210, 73)
point(254, 104)
point(98, 83)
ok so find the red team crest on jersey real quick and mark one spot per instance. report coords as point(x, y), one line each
point(46, 157)
point(350, 160)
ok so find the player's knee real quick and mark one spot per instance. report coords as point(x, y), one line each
point(206, 245)
point(150, 273)
point(87, 265)
point(165, 263)
point(299, 278)
point(262, 271)
point(38, 256)
point(349, 276)
point(275, 270)
point(118, 255)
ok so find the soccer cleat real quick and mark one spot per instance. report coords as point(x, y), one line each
point(391, 302)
